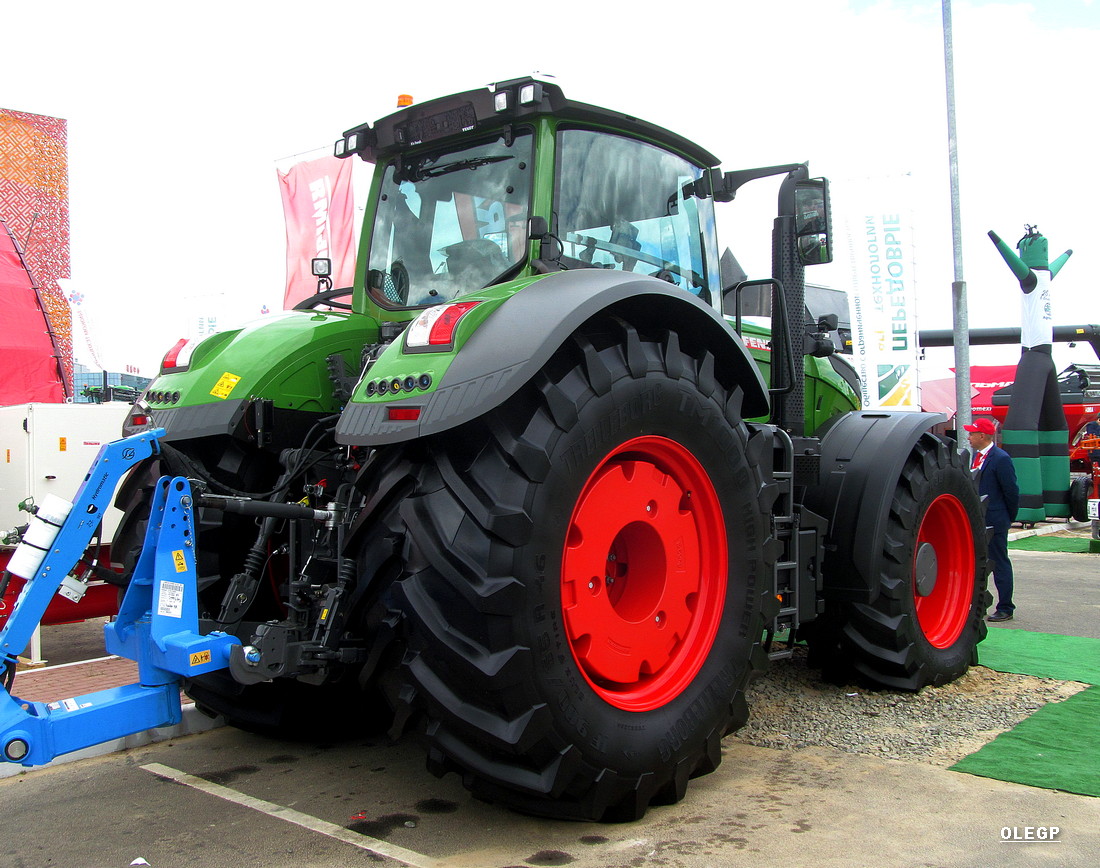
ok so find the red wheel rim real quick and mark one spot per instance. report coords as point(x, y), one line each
point(644, 573)
point(944, 532)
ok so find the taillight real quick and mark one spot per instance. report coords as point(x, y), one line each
point(137, 420)
point(435, 327)
point(179, 357)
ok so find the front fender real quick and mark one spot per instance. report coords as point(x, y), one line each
point(280, 358)
point(521, 336)
point(862, 457)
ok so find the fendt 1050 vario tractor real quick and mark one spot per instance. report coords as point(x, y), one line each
point(537, 492)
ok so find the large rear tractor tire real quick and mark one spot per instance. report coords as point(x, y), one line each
point(585, 581)
point(925, 625)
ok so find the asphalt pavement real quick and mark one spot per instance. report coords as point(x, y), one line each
point(1055, 592)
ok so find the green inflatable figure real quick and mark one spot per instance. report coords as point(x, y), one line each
point(1035, 431)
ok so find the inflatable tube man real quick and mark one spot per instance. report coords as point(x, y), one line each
point(1035, 431)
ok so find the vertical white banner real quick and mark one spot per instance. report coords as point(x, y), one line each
point(878, 221)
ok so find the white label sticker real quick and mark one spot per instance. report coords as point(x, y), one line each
point(70, 704)
point(1094, 509)
point(171, 599)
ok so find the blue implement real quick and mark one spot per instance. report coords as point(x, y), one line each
point(157, 625)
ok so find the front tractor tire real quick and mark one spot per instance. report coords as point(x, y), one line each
point(586, 573)
point(929, 616)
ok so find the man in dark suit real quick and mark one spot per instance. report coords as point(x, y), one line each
point(996, 478)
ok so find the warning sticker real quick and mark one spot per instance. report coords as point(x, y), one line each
point(62, 444)
point(180, 561)
point(68, 705)
point(200, 657)
point(170, 603)
point(225, 385)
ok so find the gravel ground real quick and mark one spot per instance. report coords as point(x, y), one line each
point(791, 707)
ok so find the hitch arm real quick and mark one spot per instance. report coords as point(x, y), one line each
point(157, 624)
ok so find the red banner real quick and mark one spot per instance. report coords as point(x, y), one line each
point(28, 358)
point(320, 214)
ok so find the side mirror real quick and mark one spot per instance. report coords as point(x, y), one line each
point(813, 221)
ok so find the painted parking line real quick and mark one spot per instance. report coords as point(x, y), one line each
point(313, 824)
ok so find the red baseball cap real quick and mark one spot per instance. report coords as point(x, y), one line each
point(983, 426)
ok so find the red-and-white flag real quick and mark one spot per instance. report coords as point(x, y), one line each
point(320, 213)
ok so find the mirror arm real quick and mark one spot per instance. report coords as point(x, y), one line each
point(731, 182)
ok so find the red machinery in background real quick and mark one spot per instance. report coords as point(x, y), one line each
point(1079, 387)
point(100, 600)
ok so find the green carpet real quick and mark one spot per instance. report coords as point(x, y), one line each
point(1044, 655)
point(1058, 747)
point(1050, 543)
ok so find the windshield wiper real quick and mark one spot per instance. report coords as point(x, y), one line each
point(458, 166)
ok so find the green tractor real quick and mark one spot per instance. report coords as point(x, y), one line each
point(539, 492)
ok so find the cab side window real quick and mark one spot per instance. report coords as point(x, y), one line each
point(620, 205)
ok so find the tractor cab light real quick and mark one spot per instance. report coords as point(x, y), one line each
point(500, 100)
point(529, 94)
point(435, 327)
point(179, 357)
point(404, 100)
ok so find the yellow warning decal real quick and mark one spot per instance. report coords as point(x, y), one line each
point(181, 563)
point(200, 657)
point(62, 444)
point(225, 385)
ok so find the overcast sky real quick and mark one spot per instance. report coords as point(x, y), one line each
point(178, 115)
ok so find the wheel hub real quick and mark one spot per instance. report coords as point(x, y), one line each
point(943, 571)
point(644, 573)
point(925, 570)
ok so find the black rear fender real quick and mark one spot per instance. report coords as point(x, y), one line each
point(519, 338)
point(862, 456)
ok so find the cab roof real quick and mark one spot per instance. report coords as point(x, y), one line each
point(495, 107)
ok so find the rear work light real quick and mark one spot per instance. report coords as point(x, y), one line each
point(403, 414)
point(179, 357)
point(435, 327)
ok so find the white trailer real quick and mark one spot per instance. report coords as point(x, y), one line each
point(48, 448)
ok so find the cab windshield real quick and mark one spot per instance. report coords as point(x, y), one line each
point(450, 222)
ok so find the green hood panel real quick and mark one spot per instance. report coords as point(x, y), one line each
point(397, 362)
point(281, 358)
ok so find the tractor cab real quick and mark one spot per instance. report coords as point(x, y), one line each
point(478, 189)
